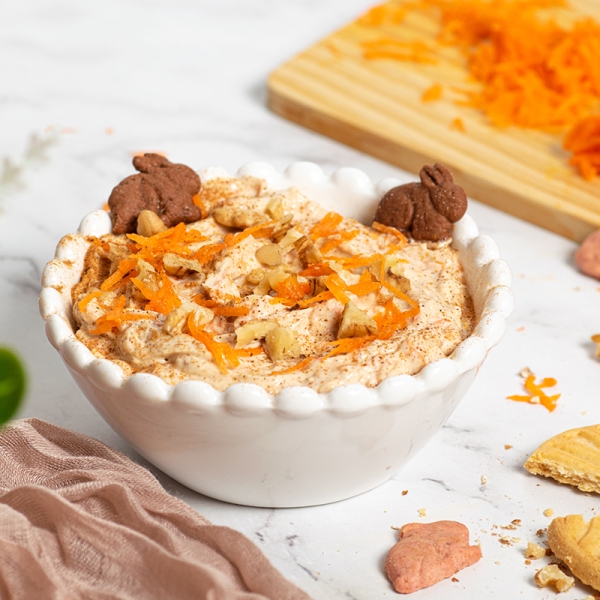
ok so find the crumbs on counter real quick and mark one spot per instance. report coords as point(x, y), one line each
point(404, 492)
point(535, 392)
point(534, 551)
point(551, 575)
point(549, 512)
point(422, 512)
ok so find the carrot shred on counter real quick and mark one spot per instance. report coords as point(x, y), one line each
point(327, 226)
point(222, 352)
point(536, 392)
point(583, 140)
point(458, 124)
point(433, 93)
point(530, 70)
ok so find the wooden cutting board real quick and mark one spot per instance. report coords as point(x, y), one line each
point(375, 106)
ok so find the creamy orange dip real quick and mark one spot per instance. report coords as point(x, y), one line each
point(270, 289)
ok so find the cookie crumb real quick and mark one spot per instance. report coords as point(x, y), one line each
point(527, 562)
point(455, 580)
point(534, 551)
point(507, 446)
point(422, 512)
point(404, 492)
point(540, 532)
point(552, 575)
point(549, 512)
point(483, 479)
point(525, 373)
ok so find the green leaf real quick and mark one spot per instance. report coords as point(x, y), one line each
point(12, 384)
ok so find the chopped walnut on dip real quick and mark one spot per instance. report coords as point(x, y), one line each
point(263, 286)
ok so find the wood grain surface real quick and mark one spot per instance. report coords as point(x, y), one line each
point(375, 106)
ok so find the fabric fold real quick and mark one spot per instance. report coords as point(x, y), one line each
point(80, 520)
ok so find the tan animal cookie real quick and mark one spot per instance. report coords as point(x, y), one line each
point(571, 457)
point(428, 553)
point(577, 543)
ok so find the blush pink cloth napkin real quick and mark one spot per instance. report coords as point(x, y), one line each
point(79, 520)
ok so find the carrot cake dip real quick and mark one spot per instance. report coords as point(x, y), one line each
point(262, 286)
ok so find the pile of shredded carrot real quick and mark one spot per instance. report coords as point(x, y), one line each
point(532, 71)
point(536, 393)
point(292, 292)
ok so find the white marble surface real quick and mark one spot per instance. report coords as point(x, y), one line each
point(188, 78)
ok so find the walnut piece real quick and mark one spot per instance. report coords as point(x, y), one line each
point(233, 216)
point(270, 254)
point(307, 251)
point(280, 343)
point(552, 575)
point(355, 323)
point(282, 227)
point(180, 266)
point(253, 330)
point(149, 224)
point(275, 208)
point(255, 276)
point(177, 318)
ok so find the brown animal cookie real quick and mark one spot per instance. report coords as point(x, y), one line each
point(165, 188)
point(427, 209)
point(428, 553)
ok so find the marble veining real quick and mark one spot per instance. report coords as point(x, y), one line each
point(187, 78)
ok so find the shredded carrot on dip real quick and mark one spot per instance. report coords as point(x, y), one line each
point(536, 394)
point(529, 69)
point(223, 353)
point(458, 124)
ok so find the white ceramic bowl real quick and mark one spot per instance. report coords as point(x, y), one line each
point(299, 447)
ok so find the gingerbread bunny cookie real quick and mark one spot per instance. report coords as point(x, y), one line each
point(426, 209)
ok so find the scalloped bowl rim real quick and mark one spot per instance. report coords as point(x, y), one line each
point(297, 401)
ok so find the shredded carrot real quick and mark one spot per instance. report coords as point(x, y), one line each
point(583, 140)
point(401, 295)
point(322, 297)
point(536, 392)
point(87, 299)
point(458, 124)
point(433, 93)
point(327, 226)
point(354, 262)
point(115, 317)
point(223, 353)
point(301, 365)
point(391, 230)
point(221, 310)
point(292, 289)
point(346, 345)
point(317, 270)
point(258, 231)
point(249, 352)
point(337, 286)
point(206, 253)
point(163, 300)
point(528, 69)
point(340, 238)
point(363, 288)
point(125, 265)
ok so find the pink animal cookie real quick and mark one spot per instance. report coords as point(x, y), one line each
point(587, 256)
point(428, 553)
